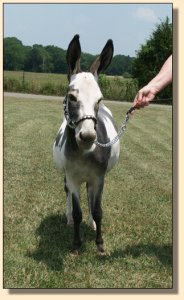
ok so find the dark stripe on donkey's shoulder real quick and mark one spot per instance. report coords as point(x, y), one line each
point(101, 156)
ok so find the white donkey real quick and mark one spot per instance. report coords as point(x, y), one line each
point(87, 120)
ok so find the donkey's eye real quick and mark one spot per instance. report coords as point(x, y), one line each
point(72, 98)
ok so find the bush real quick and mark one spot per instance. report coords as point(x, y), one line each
point(12, 84)
point(118, 88)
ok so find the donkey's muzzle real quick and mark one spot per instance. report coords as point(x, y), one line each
point(87, 136)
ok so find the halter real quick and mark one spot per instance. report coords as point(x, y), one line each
point(70, 122)
point(73, 124)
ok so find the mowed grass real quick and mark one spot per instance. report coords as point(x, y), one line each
point(137, 204)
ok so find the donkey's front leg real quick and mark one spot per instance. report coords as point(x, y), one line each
point(74, 189)
point(77, 218)
point(97, 212)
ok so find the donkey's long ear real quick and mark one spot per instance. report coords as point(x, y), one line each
point(73, 56)
point(103, 61)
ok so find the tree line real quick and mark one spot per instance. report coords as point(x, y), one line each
point(52, 59)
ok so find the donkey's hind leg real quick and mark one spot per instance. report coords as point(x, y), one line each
point(68, 204)
point(90, 194)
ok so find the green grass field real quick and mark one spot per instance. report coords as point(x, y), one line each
point(39, 77)
point(137, 204)
point(35, 83)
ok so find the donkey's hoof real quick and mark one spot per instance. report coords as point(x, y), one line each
point(70, 222)
point(101, 253)
point(74, 252)
point(93, 225)
point(100, 250)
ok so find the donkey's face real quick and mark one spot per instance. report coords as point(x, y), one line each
point(83, 97)
point(84, 94)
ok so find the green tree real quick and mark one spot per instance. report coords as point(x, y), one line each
point(57, 59)
point(14, 54)
point(120, 64)
point(152, 55)
point(86, 61)
point(52, 59)
point(38, 59)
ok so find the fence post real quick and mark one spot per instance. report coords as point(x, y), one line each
point(23, 80)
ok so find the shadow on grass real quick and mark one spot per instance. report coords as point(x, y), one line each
point(55, 241)
point(163, 253)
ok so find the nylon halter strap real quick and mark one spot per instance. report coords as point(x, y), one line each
point(70, 122)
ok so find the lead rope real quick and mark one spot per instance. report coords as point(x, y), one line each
point(122, 129)
point(120, 132)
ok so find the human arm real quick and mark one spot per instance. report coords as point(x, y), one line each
point(158, 83)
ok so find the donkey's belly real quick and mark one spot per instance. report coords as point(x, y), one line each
point(83, 172)
point(85, 168)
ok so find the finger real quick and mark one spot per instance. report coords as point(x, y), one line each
point(146, 101)
point(139, 96)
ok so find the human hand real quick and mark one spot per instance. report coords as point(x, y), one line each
point(149, 91)
point(144, 96)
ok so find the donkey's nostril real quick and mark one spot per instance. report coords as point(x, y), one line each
point(87, 136)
